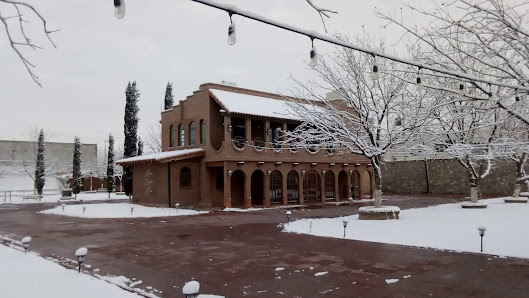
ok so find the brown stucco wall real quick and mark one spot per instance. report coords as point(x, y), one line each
point(445, 177)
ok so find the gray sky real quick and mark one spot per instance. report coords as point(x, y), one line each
point(84, 79)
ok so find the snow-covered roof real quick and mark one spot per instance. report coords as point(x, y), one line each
point(254, 105)
point(163, 156)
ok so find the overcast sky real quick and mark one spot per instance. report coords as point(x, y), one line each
point(84, 79)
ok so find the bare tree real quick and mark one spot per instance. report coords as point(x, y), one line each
point(153, 139)
point(485, 38)
point(367, 116)
point(13, 10)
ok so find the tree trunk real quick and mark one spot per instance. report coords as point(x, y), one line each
point(474, 189)
point(377, 173)
point(520, 172)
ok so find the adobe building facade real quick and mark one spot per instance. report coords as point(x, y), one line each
point(219, 149)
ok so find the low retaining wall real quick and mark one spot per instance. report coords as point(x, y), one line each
point(445, 176)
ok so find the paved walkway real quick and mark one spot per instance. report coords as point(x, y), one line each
point(236, 254)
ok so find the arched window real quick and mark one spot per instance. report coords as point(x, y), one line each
point(185, 177)
point(202, 131)
point(171, 136)
point(192, 133)
point(276, 185)
point(329, 185)
point(181, 135)
point(292, 187)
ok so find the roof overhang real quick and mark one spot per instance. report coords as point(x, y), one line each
point(163, 157)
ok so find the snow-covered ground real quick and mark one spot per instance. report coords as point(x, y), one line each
point(118, 210)
point(260, 209)
point(16, 198)
point(28, 275)
point(445, 226)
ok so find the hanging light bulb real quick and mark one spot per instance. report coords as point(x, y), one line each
point(461, 90)
point(232, 36)
point(517, 100)
point(376, 74)
point(492, 98)
point(119, 8)
point(419, 80)
point(313, 55)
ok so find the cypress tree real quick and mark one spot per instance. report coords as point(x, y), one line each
point(76, 171)
point(40, 166)
point(110, 165)
point(131, 133)
point(140, 147)
point(168, 102)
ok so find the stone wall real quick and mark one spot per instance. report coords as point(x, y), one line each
point(445, 176)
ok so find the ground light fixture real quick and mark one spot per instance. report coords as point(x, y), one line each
point(63, 205)
point(81, 254)
point(288, 213)
point(25, 243)
point(482, 230)
point(119, 8)
point(191, 289)
point(344, 222)
point(131, 210)
point(84, 209)
point(177, 206)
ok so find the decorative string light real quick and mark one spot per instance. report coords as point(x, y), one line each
point(119, 8)
point(376, 74)
point(313, 54)
point(518, 100)
point(419, 80)
point(232, 36)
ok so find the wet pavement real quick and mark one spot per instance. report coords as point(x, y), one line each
point(236, 255)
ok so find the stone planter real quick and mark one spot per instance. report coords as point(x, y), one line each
point(515, 200)
point(382, 213)
point(470, 205)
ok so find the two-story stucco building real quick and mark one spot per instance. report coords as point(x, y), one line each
point(220, 150)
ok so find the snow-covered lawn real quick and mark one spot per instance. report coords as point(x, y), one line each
point(53, 198)
point(445, 226)
point(28, 275)
point(118, 210)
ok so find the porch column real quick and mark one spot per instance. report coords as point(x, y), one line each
point(300, 188)
point(336, 187)
point(227, 188)
point(284, 138)
point(204, 187)
point(284, 197)
point(266, 189)
point(247, 190)
point(248, 127)
point(227, 132)
point(348, 193)
point(267, 135)
point(360, 193)
point(323, 192)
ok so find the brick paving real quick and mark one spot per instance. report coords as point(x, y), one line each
point(236, 254)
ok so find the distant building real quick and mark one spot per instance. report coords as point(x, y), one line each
point(220, 149)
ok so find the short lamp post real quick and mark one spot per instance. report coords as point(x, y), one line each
point(345, 222)
point(84, 209)
point(25, 243)
point(177, 206)
point(63, 207)
point(288, 213)
point(482, 230)
point(131, 210)
point(81, 254)
point(191, 289)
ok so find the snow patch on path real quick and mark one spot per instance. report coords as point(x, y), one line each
point(392, 280)
point(320, 273)
point(119, 210)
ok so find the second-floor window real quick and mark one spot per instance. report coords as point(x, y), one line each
point(202, 132)
point(192, 133)
point(182, 135)
point(171, 136)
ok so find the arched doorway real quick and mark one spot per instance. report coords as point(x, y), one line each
point(293, 187)
point(237, 188)
point(329, 185)
point(356, 186)
point(367, 184)
point(257, 188)
point(312, 187)
point(276, 187)
point(342, 186)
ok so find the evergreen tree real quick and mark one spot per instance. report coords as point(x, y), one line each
point(40, 166)
point(110, 165)
point(76, 171)
point(168, 102)
point(140, 147)
point(131, 132)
